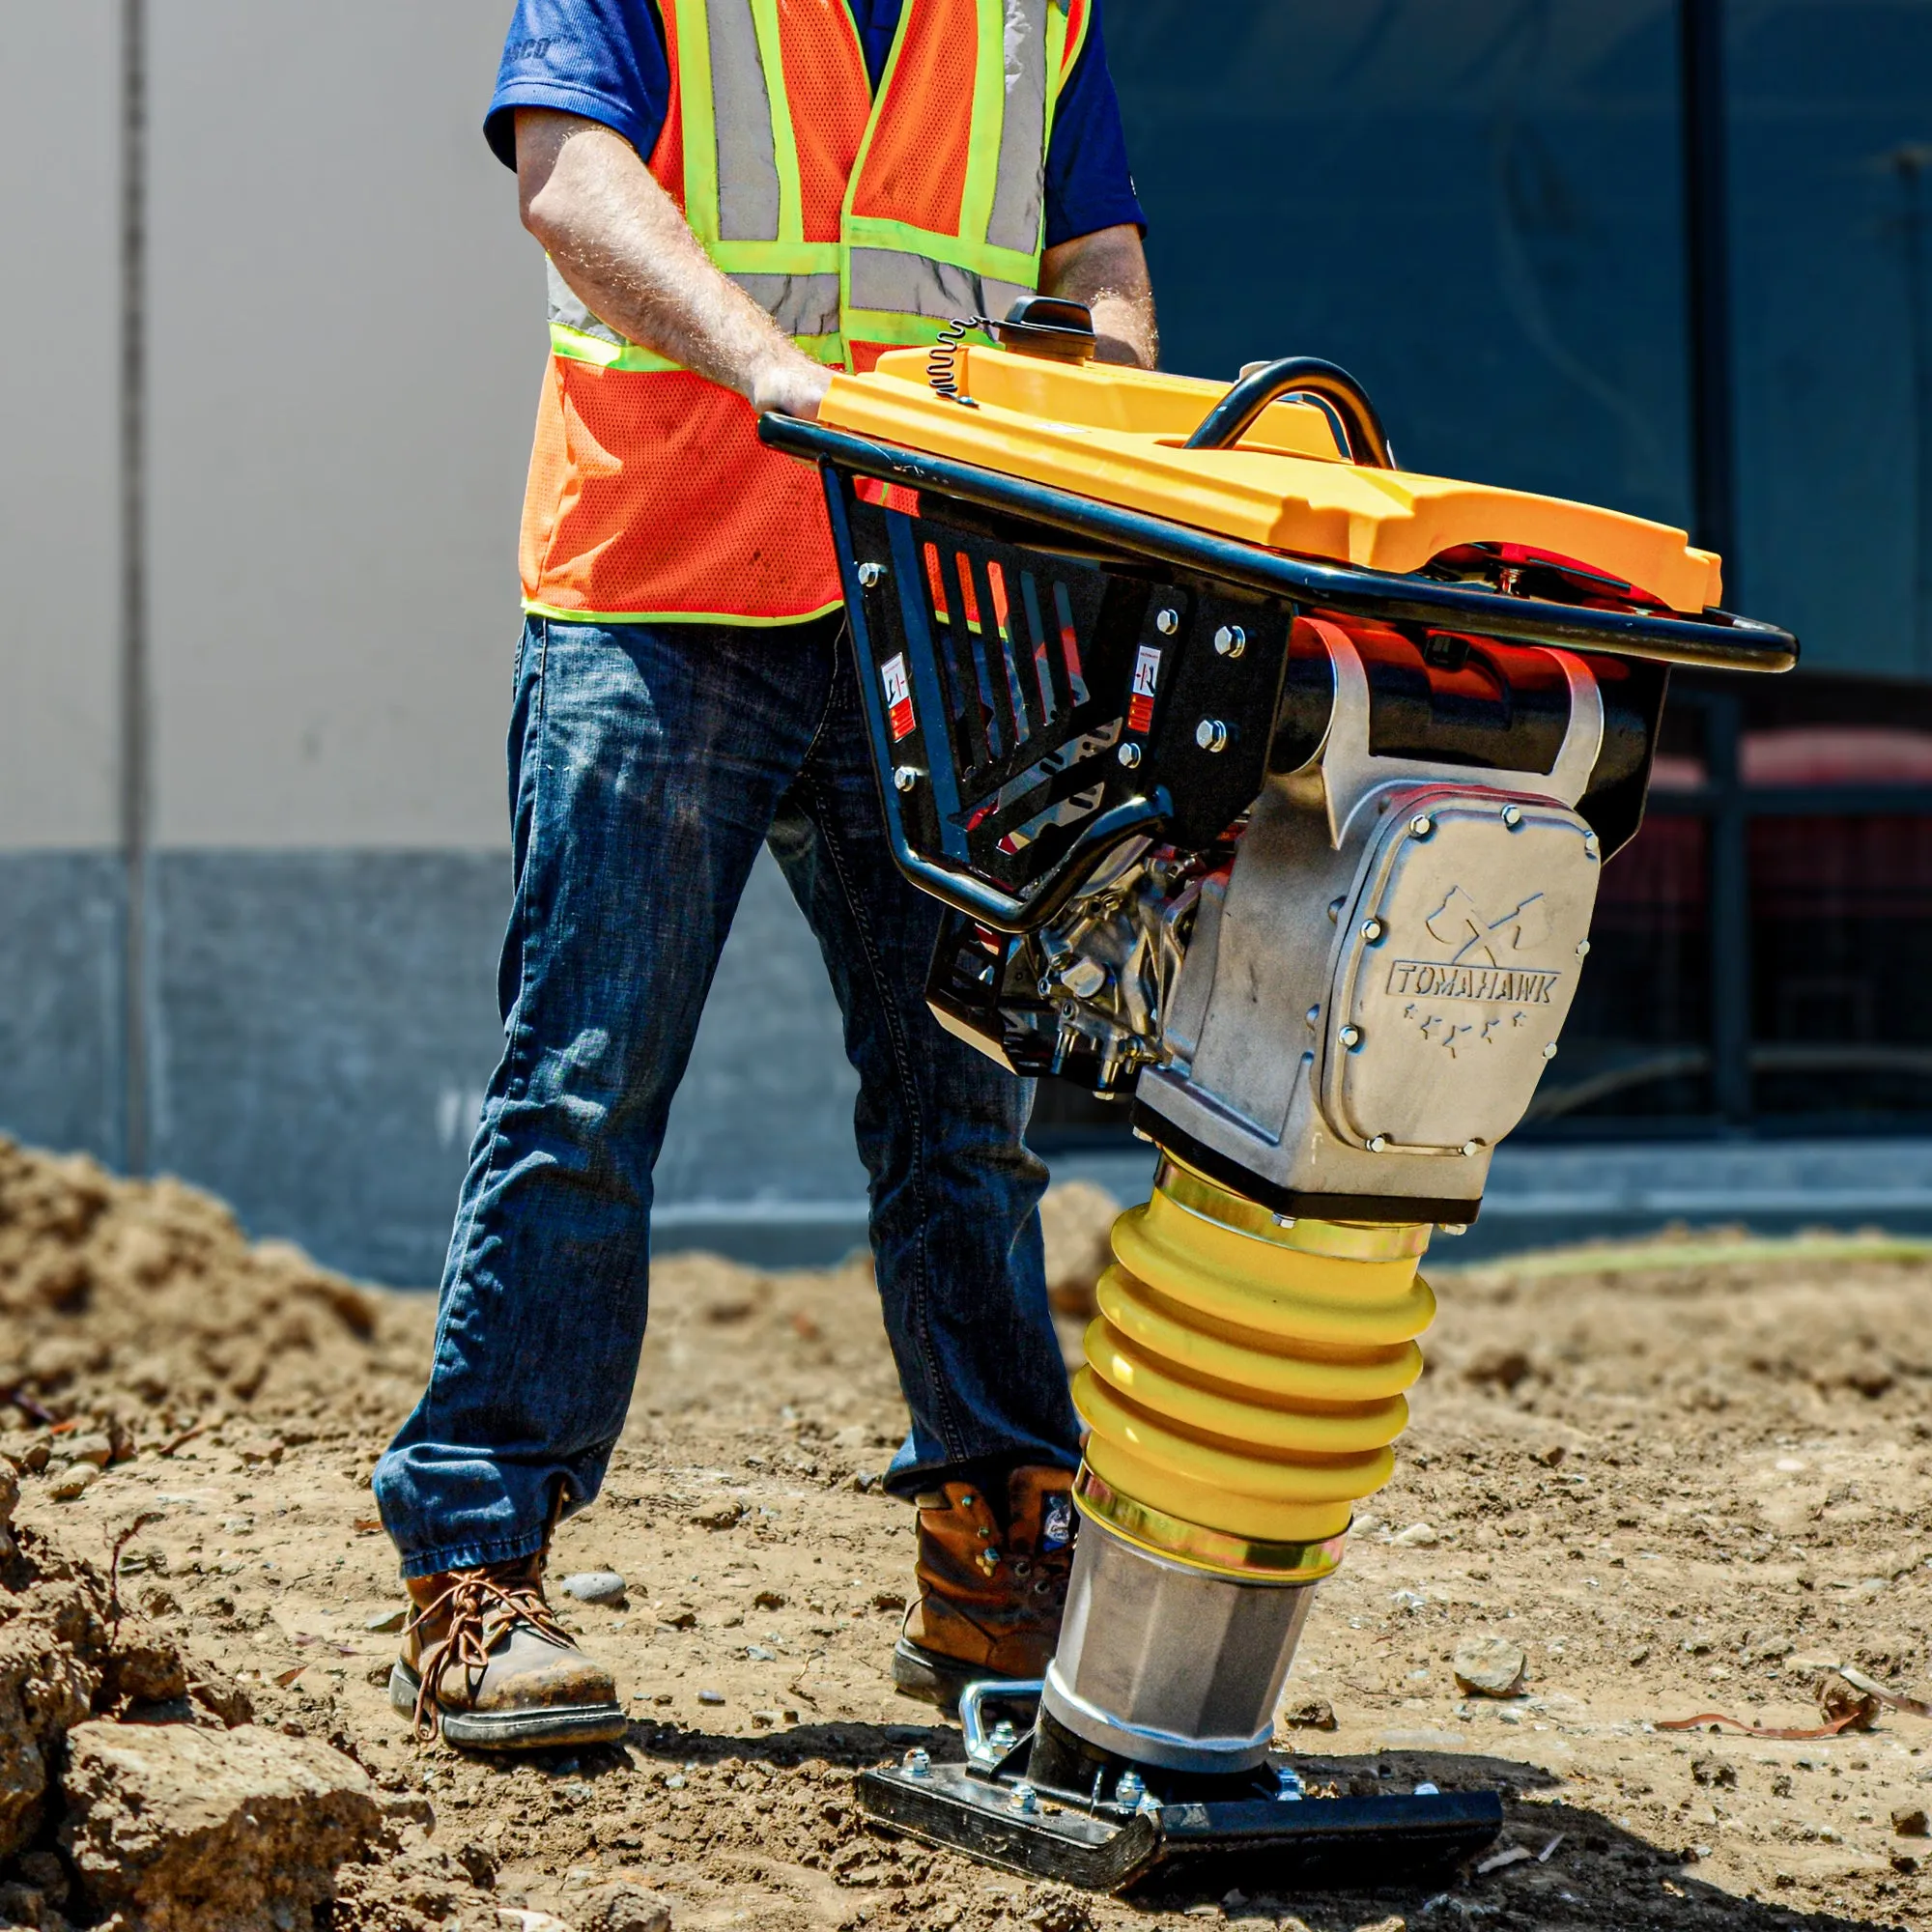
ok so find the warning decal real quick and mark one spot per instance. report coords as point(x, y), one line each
point(898, 696)
point(1146, 677)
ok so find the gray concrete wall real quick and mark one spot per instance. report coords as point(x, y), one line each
point(345, 342)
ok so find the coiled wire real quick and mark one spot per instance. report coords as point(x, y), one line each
point(942, 365)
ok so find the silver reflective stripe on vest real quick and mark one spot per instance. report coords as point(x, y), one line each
point(884, 278)
point(800, 304)
point(1020, 187)
point(566, 307)
point(741, 106)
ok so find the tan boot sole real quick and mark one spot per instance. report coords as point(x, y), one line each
point(543, 1729)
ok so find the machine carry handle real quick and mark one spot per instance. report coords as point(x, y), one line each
point(1237, 413)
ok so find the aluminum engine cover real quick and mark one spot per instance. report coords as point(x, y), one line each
point(1454, 967)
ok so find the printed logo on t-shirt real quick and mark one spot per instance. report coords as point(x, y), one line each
point(898, 696)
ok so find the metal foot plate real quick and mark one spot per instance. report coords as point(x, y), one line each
point(1270, 1845)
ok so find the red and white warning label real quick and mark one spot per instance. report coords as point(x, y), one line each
point(1146, 680)
point(898, 696)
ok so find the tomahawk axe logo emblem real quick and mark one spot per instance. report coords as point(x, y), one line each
point(1460, 924)
point(1482, 967)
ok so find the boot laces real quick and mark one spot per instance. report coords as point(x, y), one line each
point(483, 1606)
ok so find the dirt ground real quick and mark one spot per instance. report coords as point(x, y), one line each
point(1683, 1477)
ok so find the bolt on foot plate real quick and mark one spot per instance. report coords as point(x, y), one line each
point(1309, 1844)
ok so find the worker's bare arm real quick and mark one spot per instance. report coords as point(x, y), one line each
point(621, 242)
point(1108, 272)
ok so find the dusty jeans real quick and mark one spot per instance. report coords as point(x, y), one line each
point(647, 764)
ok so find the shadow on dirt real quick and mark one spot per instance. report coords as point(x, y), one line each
point(1565, 1868)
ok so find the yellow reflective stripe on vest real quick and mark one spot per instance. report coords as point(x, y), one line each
point(898, 281)
point(989, 114)
point(886, 281)
point(785, 139)
point(700, 124)
point(739, 111)
point(573, 345)
point(1033, 87)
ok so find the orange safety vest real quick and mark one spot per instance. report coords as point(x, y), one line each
point(858, 225)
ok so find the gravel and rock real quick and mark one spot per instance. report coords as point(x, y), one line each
point(1674, 1483)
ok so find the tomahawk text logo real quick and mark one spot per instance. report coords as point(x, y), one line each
point(1481, 965)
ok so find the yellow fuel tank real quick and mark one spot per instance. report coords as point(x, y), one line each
point(1116, 435)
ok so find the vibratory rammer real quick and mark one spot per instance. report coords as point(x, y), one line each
point(1268, 786)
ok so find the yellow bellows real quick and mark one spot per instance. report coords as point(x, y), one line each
point(1236, 1381)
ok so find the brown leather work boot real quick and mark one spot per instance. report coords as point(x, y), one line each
point(992, 1587)
point(486, 1662)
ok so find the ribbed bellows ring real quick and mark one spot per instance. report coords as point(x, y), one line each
point(1236, 413)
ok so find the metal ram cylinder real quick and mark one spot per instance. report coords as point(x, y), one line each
point(1245, 1384)
point(1169, 1665)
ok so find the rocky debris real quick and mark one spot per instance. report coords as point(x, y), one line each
point(173, 1808)
point(622, 1908)
point(1488, 1666)
point(1077, 1221)
point(52, 1650)
point(594, 1586)
point(422, 1885)
point(185, 1830)
point(1910, 1821)
point(1307, 1714)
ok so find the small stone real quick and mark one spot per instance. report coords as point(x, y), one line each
point(72, 1483)
point(387, 1623)
point(1714, 1771)
point(711, 1696)
point(1309, 1714)
point(1488, 1666)
point(96, 1449)
point(1418, 1536)
point(1909, 1821)
point(623, 1908)
point(594, 1586)
point(759, 1654)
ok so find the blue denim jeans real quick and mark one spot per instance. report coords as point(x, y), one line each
point(647, 765)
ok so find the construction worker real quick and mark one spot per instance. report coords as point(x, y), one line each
point(736, 197)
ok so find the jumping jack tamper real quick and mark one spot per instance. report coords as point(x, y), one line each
point(1268, 788)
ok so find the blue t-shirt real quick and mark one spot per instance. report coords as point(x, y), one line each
point(605, 60)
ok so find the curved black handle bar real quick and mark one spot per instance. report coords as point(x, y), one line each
point(1234, 414)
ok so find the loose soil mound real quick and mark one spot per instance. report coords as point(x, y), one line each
point(111, 1289)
